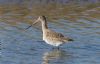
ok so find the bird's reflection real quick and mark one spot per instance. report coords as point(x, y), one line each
point(56, 55)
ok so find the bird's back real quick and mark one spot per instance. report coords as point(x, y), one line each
point(54, 36)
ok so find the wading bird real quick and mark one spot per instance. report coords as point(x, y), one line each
point(51, 37)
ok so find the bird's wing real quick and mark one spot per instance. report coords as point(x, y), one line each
point(53, 34)
point(57, 36)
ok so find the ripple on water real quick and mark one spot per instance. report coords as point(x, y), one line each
point(21, 46)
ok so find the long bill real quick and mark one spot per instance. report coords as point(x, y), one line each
point(28, 27)
point(32, 24)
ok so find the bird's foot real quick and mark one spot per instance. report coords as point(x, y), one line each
point(56, 48)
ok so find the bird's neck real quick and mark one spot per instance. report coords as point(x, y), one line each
point(44, 25)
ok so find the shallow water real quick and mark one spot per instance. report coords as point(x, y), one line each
point(20, 46)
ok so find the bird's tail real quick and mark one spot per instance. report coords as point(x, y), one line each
point(68, 39)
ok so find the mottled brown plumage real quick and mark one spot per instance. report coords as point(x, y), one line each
point(54, 36)
point(51, 37)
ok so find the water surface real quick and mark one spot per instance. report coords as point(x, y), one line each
point(20, 46)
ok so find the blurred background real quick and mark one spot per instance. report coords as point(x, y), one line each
point(78, 19)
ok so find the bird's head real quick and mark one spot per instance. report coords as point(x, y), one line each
point(40, 19)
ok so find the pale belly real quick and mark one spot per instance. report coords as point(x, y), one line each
point(53, 43)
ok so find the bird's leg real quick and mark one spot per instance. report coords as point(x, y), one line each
point(58, 47)
point(53, 47)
